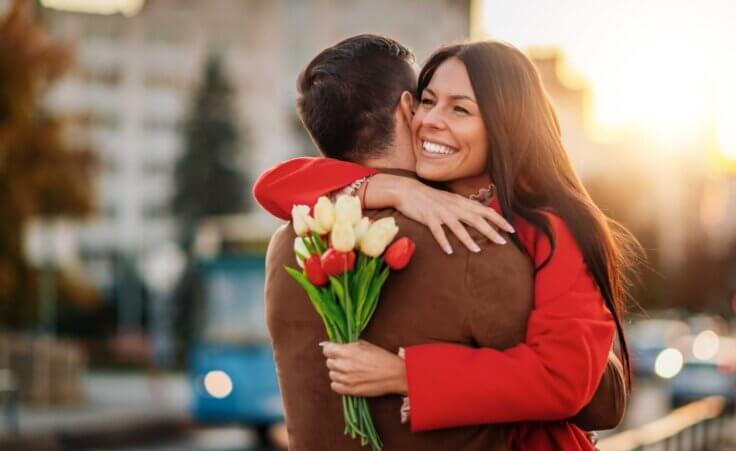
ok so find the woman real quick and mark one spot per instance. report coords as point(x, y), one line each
point(484, 124)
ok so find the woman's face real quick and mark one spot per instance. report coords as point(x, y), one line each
point(448, 131)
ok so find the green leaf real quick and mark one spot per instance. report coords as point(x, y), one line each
point(372, 301)
point(319, 243)
point(363, 284)
point(330, 315)
point(308, 244)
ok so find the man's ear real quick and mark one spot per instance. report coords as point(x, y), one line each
point(406, 104)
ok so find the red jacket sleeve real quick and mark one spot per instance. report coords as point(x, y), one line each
point(301, 181)
point(551, 376)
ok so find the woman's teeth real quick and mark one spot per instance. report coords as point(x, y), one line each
point(436, 148)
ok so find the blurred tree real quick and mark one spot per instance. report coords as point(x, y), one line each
point(209, 178)
point(41, 175)
point(209, 181)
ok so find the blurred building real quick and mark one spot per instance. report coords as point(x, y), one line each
point(137, 71)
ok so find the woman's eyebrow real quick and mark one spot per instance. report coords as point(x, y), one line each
point(462, 97)
point(452, 97)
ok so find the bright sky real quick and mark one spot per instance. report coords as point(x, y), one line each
point(668, 66)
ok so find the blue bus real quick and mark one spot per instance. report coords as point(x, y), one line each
point(231, 365)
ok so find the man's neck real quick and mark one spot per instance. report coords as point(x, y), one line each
point(392, 158)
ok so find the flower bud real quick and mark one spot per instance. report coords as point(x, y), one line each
point(378, 236)
point(314, 272)
point(399, 253)
point(324, 213)
point(314, 225)
point(361, 228)
point(335, 262)
point(300, 249)
point(343, 237)
point(348, 209)
point(299, 213)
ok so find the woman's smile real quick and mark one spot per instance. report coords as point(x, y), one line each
point(433, 149)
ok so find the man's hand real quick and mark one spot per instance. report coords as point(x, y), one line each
point(364, 369)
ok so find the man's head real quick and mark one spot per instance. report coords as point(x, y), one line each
point(350, 94)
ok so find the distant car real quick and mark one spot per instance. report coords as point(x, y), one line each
point(648, 338)
point(231, 364)
point(700, 378)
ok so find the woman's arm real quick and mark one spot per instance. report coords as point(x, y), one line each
point(551, 376)
point(303, 180)
point(364, 369)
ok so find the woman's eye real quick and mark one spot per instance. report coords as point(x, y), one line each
point(461, 110)
point(426, 101)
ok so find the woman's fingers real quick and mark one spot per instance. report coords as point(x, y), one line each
point(481, 225)
point(336, 376)
point(462, 234)
point(495, 218)
point(336, 365)
point(439, 235)
point(342, 389)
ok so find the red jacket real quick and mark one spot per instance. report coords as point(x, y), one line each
point(549, 378)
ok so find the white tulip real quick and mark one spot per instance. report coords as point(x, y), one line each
point(343, 237)
point(314, 225)
point(348, 209)
point(299, 215)
point(300, 249)
point(324, 213)
point(378, 237)
point(361, 228)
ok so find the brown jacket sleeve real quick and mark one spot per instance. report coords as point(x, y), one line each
point(608, 405)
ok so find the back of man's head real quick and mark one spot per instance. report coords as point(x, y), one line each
point(349, 92)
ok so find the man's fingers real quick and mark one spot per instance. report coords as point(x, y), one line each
point(439, 235)
point(462, 234)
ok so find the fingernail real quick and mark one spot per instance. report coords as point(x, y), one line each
point(501, 240)
point(510, 229)
point(323, 343)
point(448, 250)
point(475, 248)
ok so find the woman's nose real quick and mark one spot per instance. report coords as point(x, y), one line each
point(434, 119)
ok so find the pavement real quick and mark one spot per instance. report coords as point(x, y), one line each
point(116, 407)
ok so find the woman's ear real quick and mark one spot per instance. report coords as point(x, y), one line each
point(407, 106)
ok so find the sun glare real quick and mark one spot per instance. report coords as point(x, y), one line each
point(656, 90)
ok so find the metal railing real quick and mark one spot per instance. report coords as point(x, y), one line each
point(699, 426)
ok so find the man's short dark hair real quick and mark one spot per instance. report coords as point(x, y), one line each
point(349, 92)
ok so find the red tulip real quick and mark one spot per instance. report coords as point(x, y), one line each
point(399, 253)
point(313, 269)
point(335, 262)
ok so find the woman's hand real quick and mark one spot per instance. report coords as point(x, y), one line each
point(364, 369)
point(435, 208)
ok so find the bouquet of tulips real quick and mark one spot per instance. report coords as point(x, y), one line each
point(345, 260)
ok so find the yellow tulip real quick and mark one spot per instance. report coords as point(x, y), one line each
point(348, 209)
point(379, 235)
point(343, 237)
point(324, 213)
point(299, 215)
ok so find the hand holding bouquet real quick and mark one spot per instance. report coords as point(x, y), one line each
point(344, 285)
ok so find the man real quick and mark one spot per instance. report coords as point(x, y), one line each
point(355, 101)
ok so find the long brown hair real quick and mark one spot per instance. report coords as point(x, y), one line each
point(532, 171)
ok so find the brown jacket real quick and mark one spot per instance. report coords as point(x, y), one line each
point(479, 299)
